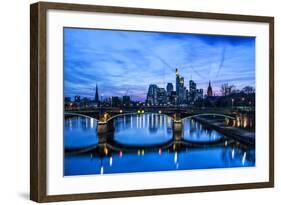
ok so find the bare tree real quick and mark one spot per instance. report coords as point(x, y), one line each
point(226, 89)
point(248, 89)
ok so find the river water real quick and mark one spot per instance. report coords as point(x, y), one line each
point(147, 143)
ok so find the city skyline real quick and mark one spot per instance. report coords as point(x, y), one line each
point(126, 62)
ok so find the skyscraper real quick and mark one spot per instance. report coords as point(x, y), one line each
point(192, 91)
point(180, 89)
point(186, 95)
point(161, 96)
point(199, 95)
point(177, 81)
point(126, 100)
point(209, 90)
point(115, 101)
point(151, 98)
point(77, 98)
point(169, 88)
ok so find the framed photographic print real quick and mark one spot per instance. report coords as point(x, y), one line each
point(134, 102)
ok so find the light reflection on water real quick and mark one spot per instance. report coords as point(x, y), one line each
point(80, 132)
point(196, 132)
point(148, 130)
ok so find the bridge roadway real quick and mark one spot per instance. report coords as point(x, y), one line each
point(105, 114)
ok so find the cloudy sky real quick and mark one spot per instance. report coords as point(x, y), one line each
point(126, 62)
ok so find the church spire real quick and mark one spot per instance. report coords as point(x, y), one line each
point(209, 90)
point(97, 95)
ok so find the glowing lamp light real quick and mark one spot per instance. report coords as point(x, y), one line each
point(245, 122)
point(105, 151)
point(238, 123)
point(121, 111)
point(138, 111)
point(159, 111)
point(142, 111)
point(105, 117)
point(120, 154)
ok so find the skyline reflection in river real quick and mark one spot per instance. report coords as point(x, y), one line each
point(146, 143)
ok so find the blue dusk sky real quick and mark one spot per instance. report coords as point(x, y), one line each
point(126, 62)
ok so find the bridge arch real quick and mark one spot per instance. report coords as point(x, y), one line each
point(209, 114)
point(157, 113)
point(81, 115)
point(136, 113)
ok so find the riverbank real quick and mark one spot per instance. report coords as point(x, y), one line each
point(238, 134)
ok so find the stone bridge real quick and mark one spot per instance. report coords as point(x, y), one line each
point(105, 115)
point(108, 113)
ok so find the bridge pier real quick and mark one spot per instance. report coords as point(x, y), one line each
point(177, 129)
point(177, 125)
point(105, 127)
point(102, 127)
point(104, 130)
